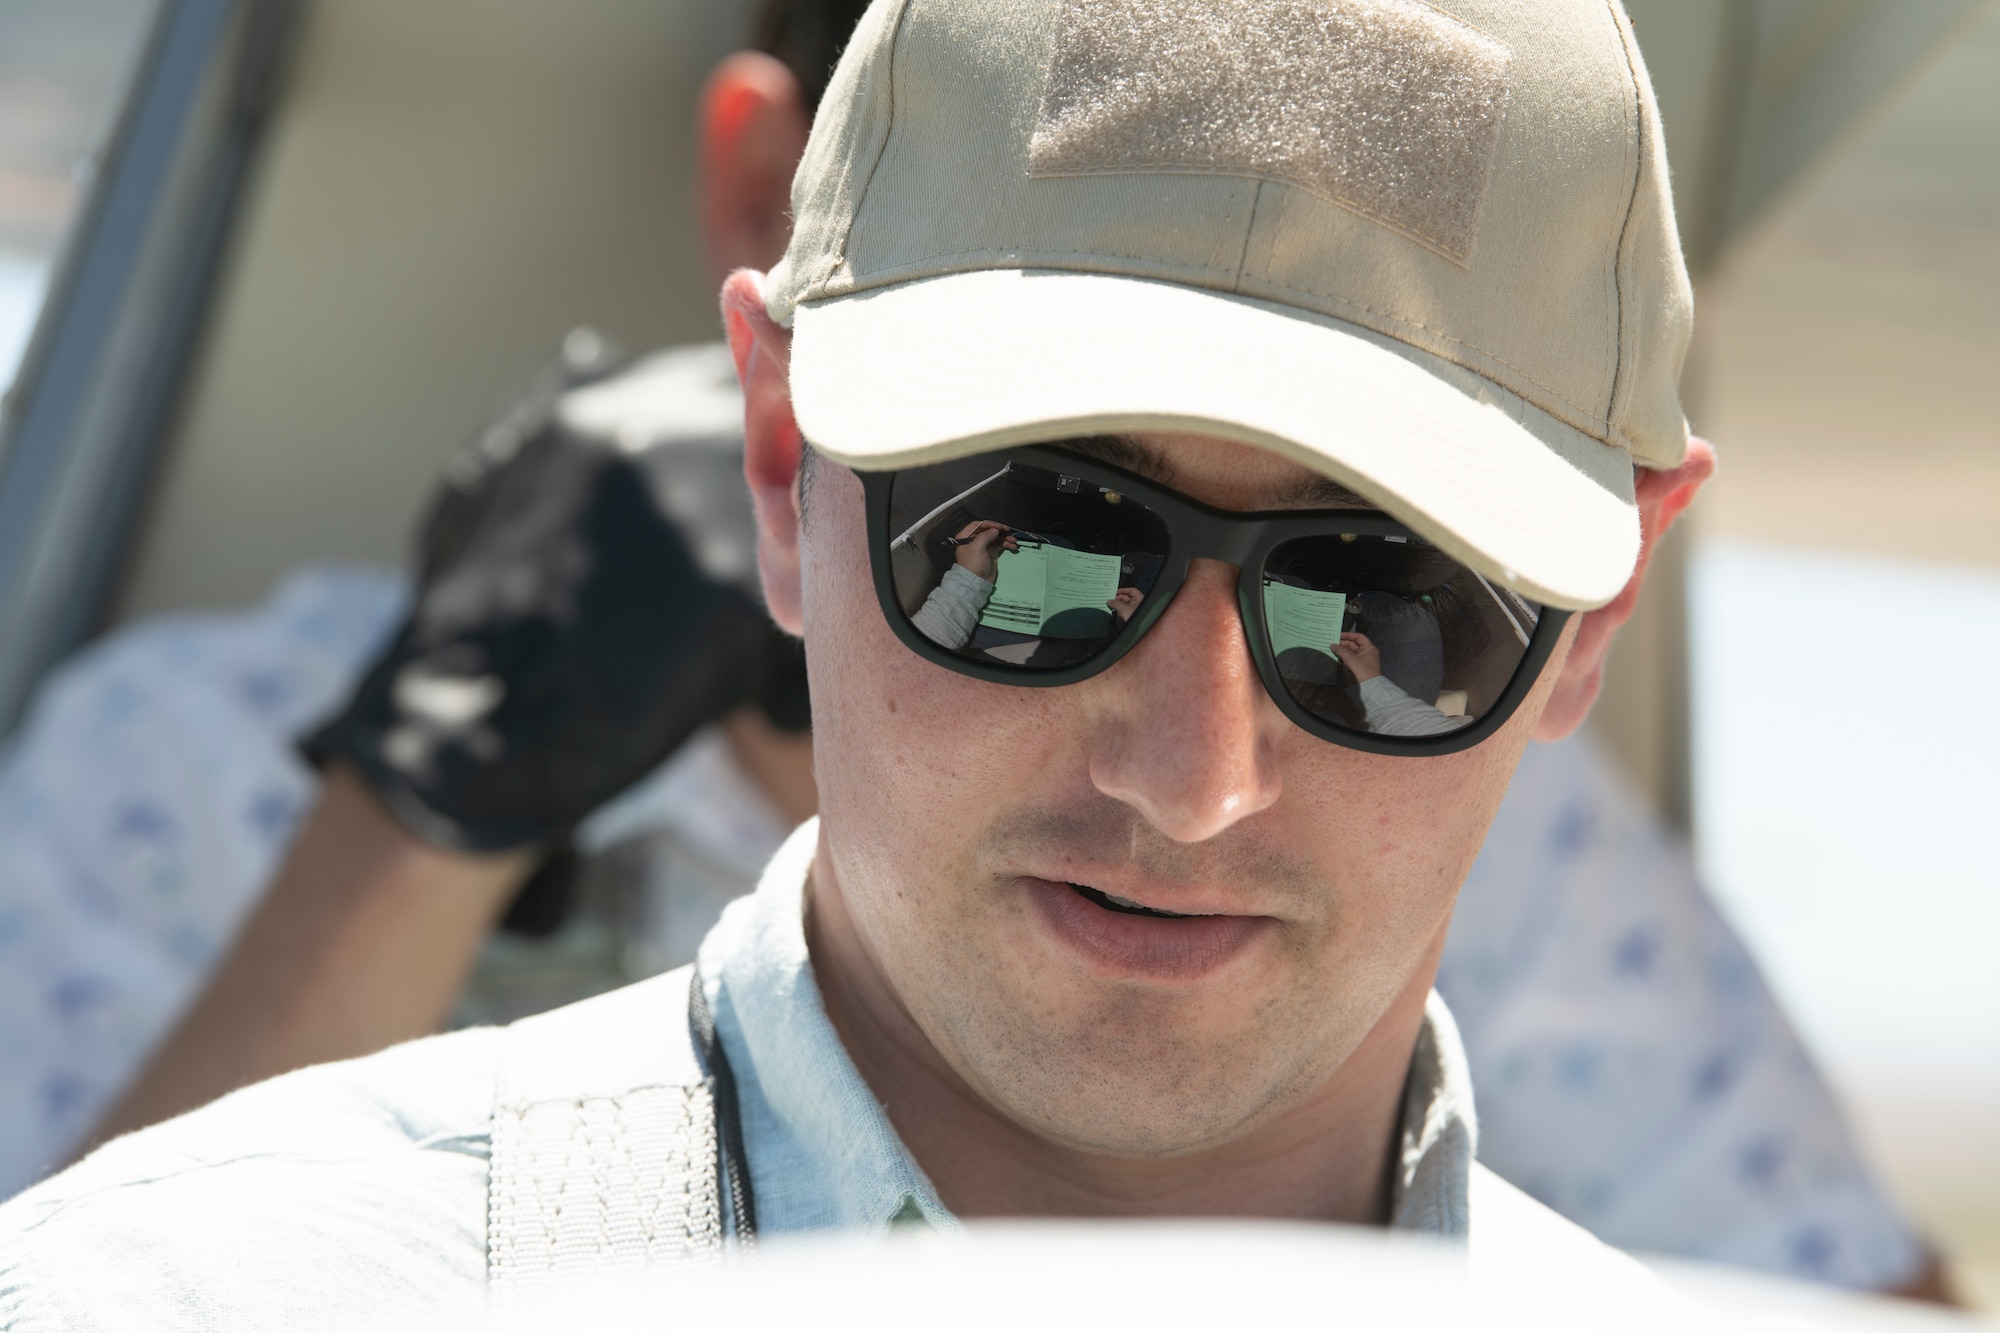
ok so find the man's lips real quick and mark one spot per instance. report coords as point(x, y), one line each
point(1125, 937)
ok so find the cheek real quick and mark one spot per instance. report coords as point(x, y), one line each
point(1397, 835)
point(912, 760)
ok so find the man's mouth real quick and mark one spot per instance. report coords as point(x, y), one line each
point(1133, 940)
point(1111, 902)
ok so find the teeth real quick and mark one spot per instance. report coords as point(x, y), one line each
point(1117, 904)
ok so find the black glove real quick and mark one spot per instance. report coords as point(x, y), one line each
point(567, 634)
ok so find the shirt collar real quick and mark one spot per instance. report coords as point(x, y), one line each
point(1440, 1132)
point(822, 1152)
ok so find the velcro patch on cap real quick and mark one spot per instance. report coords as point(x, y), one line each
point(1391, 108)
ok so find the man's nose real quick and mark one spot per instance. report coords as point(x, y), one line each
point(1186, 735)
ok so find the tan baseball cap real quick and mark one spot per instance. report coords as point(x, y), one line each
point(1425, 249)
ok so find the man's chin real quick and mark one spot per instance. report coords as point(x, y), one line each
point(1138, 1073)
point(1128, 1116)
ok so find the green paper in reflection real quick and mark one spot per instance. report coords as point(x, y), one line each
point(1302, 617)
point(1053, 592)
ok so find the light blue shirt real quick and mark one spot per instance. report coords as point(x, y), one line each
point(356, 1193)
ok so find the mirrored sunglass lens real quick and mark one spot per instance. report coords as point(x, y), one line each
point(1019, 566)
point(1390, 635)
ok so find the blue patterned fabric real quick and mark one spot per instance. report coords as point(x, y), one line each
point(1632, 1069)
point(143, 803)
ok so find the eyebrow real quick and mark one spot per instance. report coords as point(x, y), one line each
point(1149, 462)
point(1323, 493)
point(1123, 451)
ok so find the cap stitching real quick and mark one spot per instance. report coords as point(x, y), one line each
point(838, 259)
point(1578, 408)
point(1249, 230)
point(1635, 151)
point(1360, 210)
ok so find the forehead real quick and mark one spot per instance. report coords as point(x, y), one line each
point(1224, 473)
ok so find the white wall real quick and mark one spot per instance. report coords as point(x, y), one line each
point(451, 184)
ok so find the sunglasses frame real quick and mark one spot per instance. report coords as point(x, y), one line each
point(1199, 531)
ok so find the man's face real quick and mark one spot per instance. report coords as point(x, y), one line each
point(960, 816)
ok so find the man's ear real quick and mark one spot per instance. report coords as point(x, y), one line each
point(754, 124)
point(1662, 497)
point(772, 445)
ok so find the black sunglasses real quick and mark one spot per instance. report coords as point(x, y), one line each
point(1041, 566)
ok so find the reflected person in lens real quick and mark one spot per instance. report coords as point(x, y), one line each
point(1391, 636)
point(1021, 566)
point(1390, 709)
point(951, 613)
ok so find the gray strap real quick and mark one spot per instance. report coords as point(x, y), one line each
point(733, 1161)
point(604, 1147)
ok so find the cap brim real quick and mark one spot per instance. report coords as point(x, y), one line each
point(948, 366)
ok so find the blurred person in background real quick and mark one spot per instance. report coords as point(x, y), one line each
point(580, 723)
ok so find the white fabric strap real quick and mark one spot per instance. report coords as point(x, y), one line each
point(603, 1147)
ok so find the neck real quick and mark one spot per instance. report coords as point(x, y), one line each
point(1328, 1157)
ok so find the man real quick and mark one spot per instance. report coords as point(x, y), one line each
point(1127, 609)
point(1157, 937)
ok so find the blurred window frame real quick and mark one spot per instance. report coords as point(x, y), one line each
point(101, 374)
